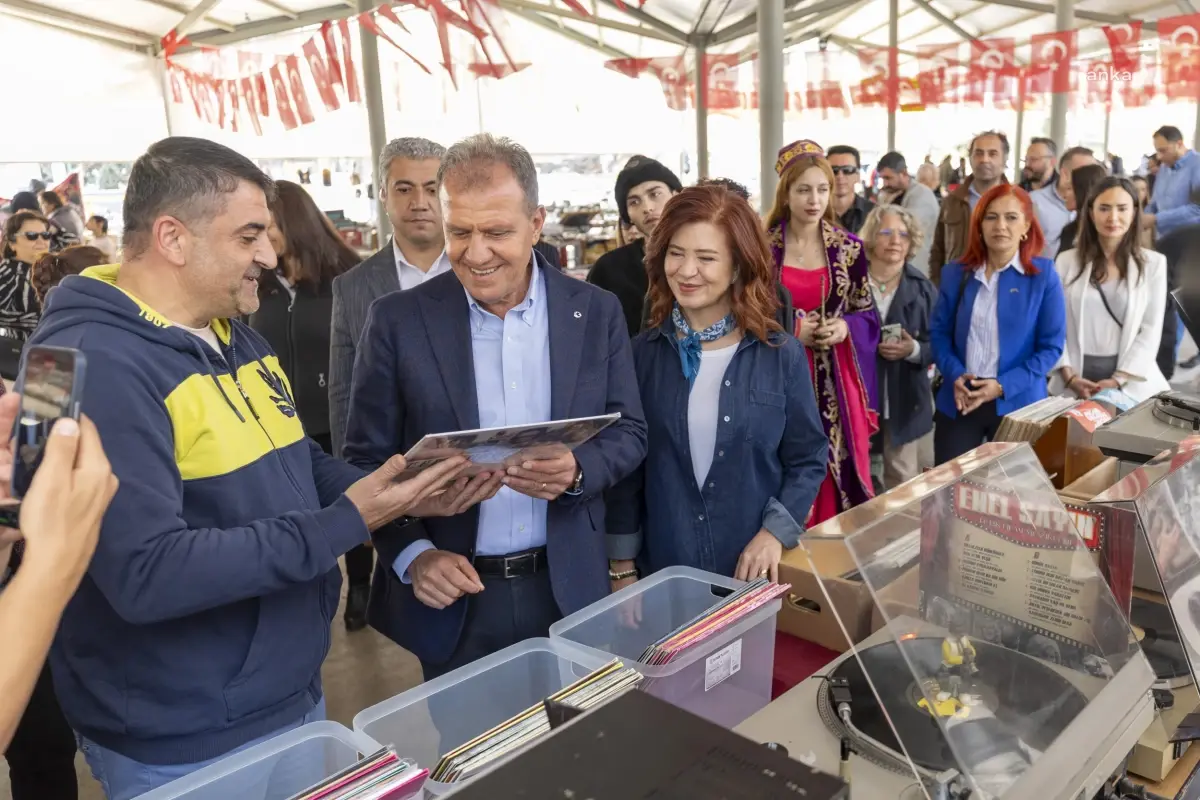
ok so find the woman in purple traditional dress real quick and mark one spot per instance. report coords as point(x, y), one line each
point(825, 269)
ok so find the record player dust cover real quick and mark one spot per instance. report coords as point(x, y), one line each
point(1008, 568)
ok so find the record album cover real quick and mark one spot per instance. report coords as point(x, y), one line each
point(1007, 569)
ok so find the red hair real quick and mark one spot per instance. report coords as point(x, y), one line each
point(754, 298)
point(975, 256)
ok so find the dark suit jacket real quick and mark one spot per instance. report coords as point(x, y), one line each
point(414, 375)
point(909, 393)
point(353, 294)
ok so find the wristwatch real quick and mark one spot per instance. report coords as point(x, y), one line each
point(576, 488)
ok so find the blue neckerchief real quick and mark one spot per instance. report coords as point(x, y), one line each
point(690, 345)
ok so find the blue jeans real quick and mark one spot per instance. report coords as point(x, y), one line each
point(124, 779)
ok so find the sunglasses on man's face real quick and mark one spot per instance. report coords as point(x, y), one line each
point(844, 170)
point(33, 236)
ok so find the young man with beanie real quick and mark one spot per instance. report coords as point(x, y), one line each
point(643, 188)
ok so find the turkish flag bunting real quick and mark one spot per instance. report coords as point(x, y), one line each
point(992, 68)
point(387, 13)
point(1099, 83)
point(722, 82)
point(1179, 47)
point(261, 92)
point(251, 98)
point(282, 102)
point(823, 92)
point(320, 74)
point(632, 67)
point(299, 95)
point(1123, 41)
point(349, 73)
point(176, 86)
point(331, 54)
point(672, 75)
point(1050, 62)
point(877, 87)
point(1143, 88)
point(939, 74)
point(488, 16)
point(486, 69)
point(231, 91)
point(368, 21)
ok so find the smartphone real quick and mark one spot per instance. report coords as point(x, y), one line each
point(891, 333)
point(51, 387)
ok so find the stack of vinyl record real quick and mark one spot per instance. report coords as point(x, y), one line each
point(602, 685)
point(381, 776)
point(1029, 423)
point(727, 612)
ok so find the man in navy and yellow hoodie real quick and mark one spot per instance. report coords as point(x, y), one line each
point(204, 618)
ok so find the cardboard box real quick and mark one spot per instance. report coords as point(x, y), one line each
point(1096, 480)
point(901, 599)
point(1155, 754)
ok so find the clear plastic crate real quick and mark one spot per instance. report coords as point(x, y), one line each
point(429, 721)
point(725, 679)
point(276, 769)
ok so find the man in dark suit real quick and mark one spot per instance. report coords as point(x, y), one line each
point(417, 252)
point(503, 340)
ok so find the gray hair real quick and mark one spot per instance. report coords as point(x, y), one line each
point(186, 178)
point(470, 159)
point(874, 221)
point(411, 148)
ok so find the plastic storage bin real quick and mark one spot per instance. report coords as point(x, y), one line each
point(429, 721)
point(276, 769)
point(725, 679)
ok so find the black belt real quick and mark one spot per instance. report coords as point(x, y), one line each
point(514, 565)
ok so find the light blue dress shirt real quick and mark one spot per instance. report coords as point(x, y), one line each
point(1173, 205)
point(973, 196)
point(512, 386)
point(1053, 216)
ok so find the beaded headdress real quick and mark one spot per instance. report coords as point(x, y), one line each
point(795, 150)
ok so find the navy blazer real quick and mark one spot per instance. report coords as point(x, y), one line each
point(414, 375)
point(1033, 332)
point(909, 394)
point(769, 461)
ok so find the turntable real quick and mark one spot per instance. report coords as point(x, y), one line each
point(1054, 693)
point(1149, 428)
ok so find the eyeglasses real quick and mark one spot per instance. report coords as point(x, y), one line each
point(31, 236)
point(844, 170)
point(889, 232)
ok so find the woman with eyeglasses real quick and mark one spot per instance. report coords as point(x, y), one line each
point(823, 268)
point(905, 299)
point(26, 236)
point(736, 451)
point(999, 324)
point(1116, 299)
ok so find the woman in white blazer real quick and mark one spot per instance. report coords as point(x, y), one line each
point(1116, 298)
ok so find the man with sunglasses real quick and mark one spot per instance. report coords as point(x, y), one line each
point(850, 207)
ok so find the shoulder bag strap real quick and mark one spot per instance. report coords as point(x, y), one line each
point(1107, 307)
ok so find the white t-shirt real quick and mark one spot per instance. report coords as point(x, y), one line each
point(703, 407)
point(206, 335)
point(1101, 333)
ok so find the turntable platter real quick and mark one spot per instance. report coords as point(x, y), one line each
point(1178, 409)
point(1022, 707)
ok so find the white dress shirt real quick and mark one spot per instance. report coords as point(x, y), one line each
point(983, 339)
point(410, 276)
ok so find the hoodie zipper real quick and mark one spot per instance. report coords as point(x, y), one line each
point(233, 372)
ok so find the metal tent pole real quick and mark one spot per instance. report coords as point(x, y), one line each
point(373, 93)
point(701, 108)
point(1064, 20)
point(770, 95)
point(893, 74)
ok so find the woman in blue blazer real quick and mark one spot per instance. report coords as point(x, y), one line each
point(999, 325)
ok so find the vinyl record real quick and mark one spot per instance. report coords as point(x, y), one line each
point(1159, 640)
point(1023, 706)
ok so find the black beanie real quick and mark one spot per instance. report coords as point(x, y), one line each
point(641, 169)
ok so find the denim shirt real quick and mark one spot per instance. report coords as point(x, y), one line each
point(769, 460)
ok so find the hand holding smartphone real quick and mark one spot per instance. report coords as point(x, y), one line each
point(51, 387)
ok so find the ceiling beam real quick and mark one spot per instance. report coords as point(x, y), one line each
point(192, 17)
point(38, 11)
point(793, 11)
point(851, 44)
point(650, 21)
point(265, 27)
point(1048, 8)
point(182, 9)
point(602, 22)
point(281, 8)
point(120, 44)
point(570, 33)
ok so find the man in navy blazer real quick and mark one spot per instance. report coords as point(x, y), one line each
point(501, 340)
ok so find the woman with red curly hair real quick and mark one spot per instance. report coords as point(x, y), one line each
point(991, 369)
point(736, 451)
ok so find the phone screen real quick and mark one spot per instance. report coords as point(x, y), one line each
point(47, 393)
